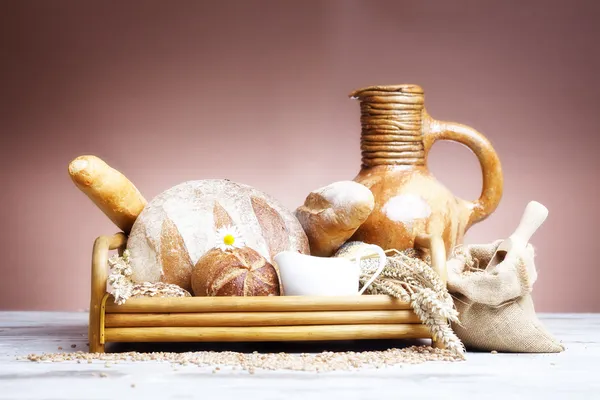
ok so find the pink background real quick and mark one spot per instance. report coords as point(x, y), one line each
point(257, 92)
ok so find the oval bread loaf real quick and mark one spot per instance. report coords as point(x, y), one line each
point(180, 225)
point(330, 215)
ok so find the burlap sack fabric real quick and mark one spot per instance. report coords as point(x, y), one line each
point(494, 302)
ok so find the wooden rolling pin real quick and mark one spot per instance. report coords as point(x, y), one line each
point(110, 190)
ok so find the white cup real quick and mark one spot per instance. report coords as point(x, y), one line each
point(304, 275)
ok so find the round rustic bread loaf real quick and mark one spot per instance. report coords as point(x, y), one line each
point(238, 272)
point(179, 225)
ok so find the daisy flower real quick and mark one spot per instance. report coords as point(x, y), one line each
point(229, 238)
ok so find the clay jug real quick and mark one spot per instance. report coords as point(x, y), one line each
point(397, 134)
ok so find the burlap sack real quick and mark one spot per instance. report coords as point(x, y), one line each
point(495, 307)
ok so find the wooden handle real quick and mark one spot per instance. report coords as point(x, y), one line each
point(382, 264)
point(102, 246)
point(493, 180)
point(533, 217)
point(437, 250)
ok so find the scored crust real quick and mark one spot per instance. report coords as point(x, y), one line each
point(272, 226)
point(175, 259)
point(221, 216)
point(240, 272)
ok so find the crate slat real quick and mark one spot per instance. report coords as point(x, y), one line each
point(257, 304)
point(263, 333)
point(262, 318)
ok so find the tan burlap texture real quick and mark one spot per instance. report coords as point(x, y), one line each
point(496, 311)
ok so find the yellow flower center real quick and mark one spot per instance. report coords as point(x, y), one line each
point(229, 239)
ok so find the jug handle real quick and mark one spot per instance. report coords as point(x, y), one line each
point(493, 180)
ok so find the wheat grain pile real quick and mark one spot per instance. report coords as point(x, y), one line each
point(315, 362)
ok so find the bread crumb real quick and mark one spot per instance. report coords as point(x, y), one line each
point(60, 347)
point(133, 385)
point(494, 352)
point(103, 375)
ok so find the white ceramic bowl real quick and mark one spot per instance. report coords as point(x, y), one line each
point(304, 275)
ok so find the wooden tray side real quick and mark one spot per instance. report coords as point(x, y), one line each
point(100, 254)
point(247, 319)
point(258, 304)
point(264, 333)
point(241, 319)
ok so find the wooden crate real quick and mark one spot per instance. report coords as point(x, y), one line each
point(241, 319)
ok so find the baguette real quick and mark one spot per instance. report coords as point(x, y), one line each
point(330, 215)
point(110, 190)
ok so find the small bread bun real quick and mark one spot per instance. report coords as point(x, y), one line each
point(240, 272)
point(330, 215)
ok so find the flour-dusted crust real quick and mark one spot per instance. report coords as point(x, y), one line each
point(196, 210)
point(330, 215)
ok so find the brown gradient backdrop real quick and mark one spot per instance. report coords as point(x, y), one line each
point(257, 92)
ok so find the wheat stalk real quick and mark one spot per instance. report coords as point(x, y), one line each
point(412, 280)
point(121, 285)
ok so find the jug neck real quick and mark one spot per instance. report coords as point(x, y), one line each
point(391, 125)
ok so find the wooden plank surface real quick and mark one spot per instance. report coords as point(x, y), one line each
point(262, 318)
point(568, 375)
point(256, 304)
point(266, 333)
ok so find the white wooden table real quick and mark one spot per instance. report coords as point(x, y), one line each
point(569, 375)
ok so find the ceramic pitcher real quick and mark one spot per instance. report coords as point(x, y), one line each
point(397, 134)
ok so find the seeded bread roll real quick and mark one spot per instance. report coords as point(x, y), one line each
point(238, 272)
point(330, 215)
point(110, 190)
